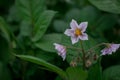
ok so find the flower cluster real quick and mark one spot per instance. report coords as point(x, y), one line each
point(77, 33)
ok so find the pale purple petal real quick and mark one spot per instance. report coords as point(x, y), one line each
point(61, 50)
point(84, 36)
point(69, 32)
point(115, 47)
point(74, 39)
point(103, 52)
point(83, 26)
point(56, 45)
point(73, 24)
point(111, 48)
point(63, 56)
point(62, 53)
point(106, 51)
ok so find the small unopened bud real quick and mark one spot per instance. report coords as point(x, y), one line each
point(78, 59)
point(73, 63)
point(86, 56)
point(88, 63)
point(95, 57)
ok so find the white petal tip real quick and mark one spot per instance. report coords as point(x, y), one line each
point(54, 44)
point(73, 20)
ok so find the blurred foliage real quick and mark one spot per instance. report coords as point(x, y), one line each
point(30, 27)
point(77, 73)
point(112, 73)
point(114, 6)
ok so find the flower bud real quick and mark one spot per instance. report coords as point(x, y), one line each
point(73, 63)
point(88, 63)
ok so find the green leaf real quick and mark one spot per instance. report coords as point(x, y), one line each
point(45, 64)
point(112, 6)
point(45, 55)
point(25, 29)
point(72, 14)
point(112, 73)
point(76, 73)
point(95, 72)
point(58, 78)
point(4, 28)
point(4, 50)
point(42, 24)
point(34, 13)
point(0, 70)
point(106, 21)
point(12, 16)
point(4, 72)
point(30, 10)
point(88, 13)
point(7, 33)
point(60, 25)
point(46, 43)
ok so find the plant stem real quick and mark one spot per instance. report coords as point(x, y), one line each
point(70, 47)
point(75, 48)
point(95, 46)
point(24, 65)
point(83, 54)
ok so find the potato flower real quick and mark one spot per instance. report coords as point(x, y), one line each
point(110, 48)
point(77, 32)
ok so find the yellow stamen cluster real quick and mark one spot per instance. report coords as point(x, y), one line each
point(78, 32)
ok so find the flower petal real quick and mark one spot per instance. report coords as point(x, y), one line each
point(83, 26)
point(63, 56)
point(69, 32)
point(106, 51)
point(84, 36)
point(73, 24)
point(114, 47)
point(56, 45)
point(74, 39)
point(61, 50)
point(103, 52)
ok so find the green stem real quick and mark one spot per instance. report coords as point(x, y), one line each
point(83, 54)
point(70, 47)
point(95, 47)
point(78, 50)
point(24, 65)
point(32, 17)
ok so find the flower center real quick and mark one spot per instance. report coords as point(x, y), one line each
point(78, 32)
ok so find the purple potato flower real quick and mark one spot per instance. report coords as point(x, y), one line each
point(61, 50)
point(110, 48)
point(77, 32)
